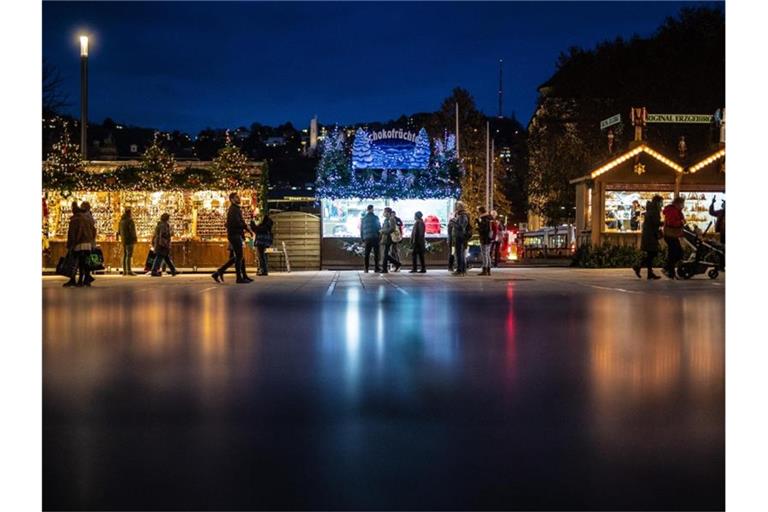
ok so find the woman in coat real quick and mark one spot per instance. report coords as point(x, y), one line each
point(80, 233)
point(263, 239)
point(649, 243)
point(161, 242)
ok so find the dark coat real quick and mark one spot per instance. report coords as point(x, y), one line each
point(127, 230)
point(651, 226)
point(417, 235)
point(235, 222)
point(161, 241)
point(460, 223)
point(81, 230)
point(370, 227)
point(486, 235)
point(263, 232)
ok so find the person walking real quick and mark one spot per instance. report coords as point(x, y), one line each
point(161, 242)
point(674, 220)
point(262, 239)
point(127, 234)
point(370, 226)
point(78, 243)
point(485, 231)
point(236, 228)
point(462, 232)
point(388, 228)
point(651, 233)
point(719, 216)
point(86, 278)
point(397, 237)
point(418, 242)
point(451, 248)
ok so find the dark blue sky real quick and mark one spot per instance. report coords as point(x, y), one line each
point(188, 65)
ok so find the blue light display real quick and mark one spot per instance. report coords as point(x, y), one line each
point(391, 149)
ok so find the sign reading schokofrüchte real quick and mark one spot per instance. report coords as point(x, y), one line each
point(679, 118)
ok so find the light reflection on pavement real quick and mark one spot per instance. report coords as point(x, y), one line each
point(534, 388)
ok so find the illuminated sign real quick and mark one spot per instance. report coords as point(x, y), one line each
point(393, 149)
point(680, 118)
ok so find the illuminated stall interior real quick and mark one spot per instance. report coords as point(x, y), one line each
point(197, 219)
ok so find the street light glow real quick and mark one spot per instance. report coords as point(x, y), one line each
point(83, 46)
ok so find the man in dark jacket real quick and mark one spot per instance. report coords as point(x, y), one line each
point(236, 228)
point(460, 237)
point(418, 242)
point(485, 232)
point(369, 234)
point(127, 234)
point(650, 237)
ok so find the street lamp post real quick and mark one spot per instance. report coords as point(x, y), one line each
point(84, 96)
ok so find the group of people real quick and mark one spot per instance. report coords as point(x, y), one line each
point(236, 233)
point(383, 238)
point(81, 242)
point(671, 230)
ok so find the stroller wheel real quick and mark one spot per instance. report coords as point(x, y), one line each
point(684, 271)
point(713, 273)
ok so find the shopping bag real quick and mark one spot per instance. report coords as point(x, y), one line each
point(67, 265)
point(150, 261)
point(96, 259)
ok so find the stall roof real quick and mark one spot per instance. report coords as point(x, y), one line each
point(637, 150)
point(717, 155)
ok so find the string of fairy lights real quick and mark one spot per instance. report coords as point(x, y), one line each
point(337, 180)
point(65, 171)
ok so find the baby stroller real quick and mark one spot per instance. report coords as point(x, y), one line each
point(706, 256)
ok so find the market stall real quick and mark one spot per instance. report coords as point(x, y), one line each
point(394, 168)
point(611, 199)
point(194, 194)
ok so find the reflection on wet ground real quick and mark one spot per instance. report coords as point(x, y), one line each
point(532, 389)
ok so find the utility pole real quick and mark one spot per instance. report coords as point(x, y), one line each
point(487, 164)
point(492, 180)
point(457, 130)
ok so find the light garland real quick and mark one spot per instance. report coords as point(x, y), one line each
point(634, 152)
point(716, 156)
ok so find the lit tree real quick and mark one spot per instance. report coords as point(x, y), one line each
point(157, 166)
point(361, 151)
point(421, 151)
point(64, 168)
point(230, 166)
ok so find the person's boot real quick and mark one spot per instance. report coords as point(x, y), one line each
point(652, 276)
point(70, 283)
point(487, 271)
point(412, 271)
point(218, 277)
point(636, 268)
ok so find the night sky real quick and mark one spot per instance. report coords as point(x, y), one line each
point(186, 66)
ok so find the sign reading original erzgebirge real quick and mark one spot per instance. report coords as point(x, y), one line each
point(679, 118)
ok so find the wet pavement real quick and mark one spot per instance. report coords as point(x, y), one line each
point(529, 389)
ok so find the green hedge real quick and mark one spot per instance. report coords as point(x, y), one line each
point(612, 256)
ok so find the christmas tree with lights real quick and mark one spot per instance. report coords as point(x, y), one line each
point(362, 158)
point(64, 168)
point(157, 167)
point(230, 166)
